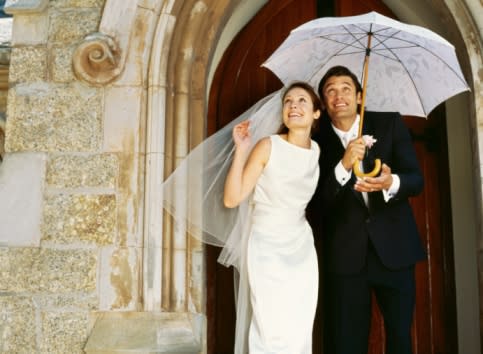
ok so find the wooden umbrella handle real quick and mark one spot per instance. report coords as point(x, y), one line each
point(358, 172)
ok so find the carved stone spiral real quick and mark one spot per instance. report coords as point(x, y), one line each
point(97, 60)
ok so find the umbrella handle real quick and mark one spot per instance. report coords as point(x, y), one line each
point(357, 170)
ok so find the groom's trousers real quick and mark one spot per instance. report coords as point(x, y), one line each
point(348, 319)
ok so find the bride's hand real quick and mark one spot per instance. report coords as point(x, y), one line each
point(241, 135)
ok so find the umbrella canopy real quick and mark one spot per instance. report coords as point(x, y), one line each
point(411, 69)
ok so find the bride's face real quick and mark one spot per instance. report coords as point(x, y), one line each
point(298, 109)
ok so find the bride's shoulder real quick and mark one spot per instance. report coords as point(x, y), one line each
point(266, 139)
point(264, 143)
point(262, 149)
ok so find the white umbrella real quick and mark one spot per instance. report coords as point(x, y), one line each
point(411, 69)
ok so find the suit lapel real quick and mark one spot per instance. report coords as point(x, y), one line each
point(335, 155)
point(334, 147)
point(373, 153)
point(369, 129)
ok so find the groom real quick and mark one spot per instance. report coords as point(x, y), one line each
point(371, 242)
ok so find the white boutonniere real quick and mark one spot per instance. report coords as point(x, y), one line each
point(369, 140)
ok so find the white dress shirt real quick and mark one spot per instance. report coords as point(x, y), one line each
point(342, 175)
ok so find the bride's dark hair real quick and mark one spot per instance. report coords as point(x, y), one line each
point(317, 104)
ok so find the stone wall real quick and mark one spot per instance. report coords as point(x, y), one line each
point(49, 290)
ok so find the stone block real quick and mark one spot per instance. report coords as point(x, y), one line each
point(58, 321)
point(83, 171)
point(28, 64)
point(63, 332)
point(146, 333)
point(30, 29)
point(55, 118)
point(22, 7)
point(71, 26)
point(77, 301)
point(17, 325)
point(122, 112)
point(6, 25)
point(49, 270)
point(135, 69)
point(23, 273)
point(76, 3)
point(79, 218)
point(21, 193)
point(61, 64)
point(64, 271)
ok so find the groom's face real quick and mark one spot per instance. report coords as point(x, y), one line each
point(340, 98)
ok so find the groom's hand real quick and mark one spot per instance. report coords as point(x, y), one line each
point(354, 152)
point(375, 184)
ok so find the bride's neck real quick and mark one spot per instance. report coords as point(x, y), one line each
point(299, 138)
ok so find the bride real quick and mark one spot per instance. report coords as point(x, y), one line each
point(252, 198)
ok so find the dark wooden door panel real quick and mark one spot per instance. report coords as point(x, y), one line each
point(359, 7)
point(240, 81)
point(434, 329)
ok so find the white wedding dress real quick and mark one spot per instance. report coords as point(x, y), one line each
point(281, 258)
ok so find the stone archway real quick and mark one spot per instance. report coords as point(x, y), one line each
point(182, 86)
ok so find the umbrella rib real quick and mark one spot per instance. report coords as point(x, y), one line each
point(384, 55)
point(381, 48)
point(399, 47)
point(358, 40)
point(414, 85)
point(362, 48)
point(338, 53)
point(402, 65)
point(411, 45)
point(385, 37)
point(346, 45)
point(381, 43)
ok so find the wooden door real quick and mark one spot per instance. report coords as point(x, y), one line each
point(238, 83)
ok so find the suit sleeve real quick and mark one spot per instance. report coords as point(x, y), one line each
point(404, 162)
point(330, 187)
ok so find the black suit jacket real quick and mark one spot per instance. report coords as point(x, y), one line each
point(347, 223)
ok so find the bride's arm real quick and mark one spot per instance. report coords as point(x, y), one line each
point(246, 167)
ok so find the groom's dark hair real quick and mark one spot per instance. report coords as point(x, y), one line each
point(338, 70)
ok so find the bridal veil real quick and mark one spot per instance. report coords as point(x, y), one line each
point(193, 196)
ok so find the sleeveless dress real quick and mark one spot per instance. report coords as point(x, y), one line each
point(281, 258)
